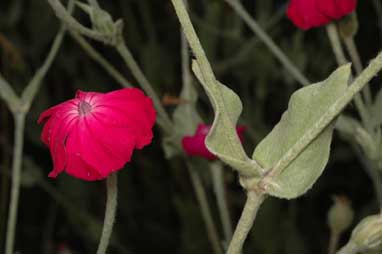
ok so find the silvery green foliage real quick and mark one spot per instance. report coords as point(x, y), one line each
point(306, 107)
point(222, 140)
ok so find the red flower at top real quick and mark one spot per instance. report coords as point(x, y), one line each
point(195, 145)
point(95, 134)
point(306, 14)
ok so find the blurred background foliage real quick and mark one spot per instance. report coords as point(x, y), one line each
point(157, 208)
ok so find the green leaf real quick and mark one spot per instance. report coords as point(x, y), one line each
point(306, 107)
point(222, 140)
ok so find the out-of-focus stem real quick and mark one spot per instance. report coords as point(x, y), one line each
point(98, 58)
point(252, 205)
point(205, 209)
point(163, 118)
point(341, 60)
point(354, 55)
point(73, 24)
point(333, 242)
point(220, 192)
point(4, 165)
point(279, 54)
point(111, 208)
point(19, 119)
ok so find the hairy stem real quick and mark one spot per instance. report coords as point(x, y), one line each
point(279, 54)
point(19, 119)
point(252, 205)
point(111, 207)
point(220, 192)
point(205, 209)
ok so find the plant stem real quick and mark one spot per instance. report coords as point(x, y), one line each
point(163, 118)
point(111, 207)
point(279, 54)
point(333, 242)
point(73, 24)
point(19, 119)
point(205, 209)
point(4, 190)
point(212, 87)
point(374, 67)
point(252, 205)
point(335, 42)
point(98, 58)
point(8, 94)
point(30, 91)
point(341, 60)
point(354, 55)
point(219, 188)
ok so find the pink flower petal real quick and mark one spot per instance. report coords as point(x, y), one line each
point(95, 134)
point(195, 145)
point(307, 14)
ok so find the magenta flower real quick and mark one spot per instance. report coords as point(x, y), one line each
point(195, 145)
point(95, 134)
point(307, 14)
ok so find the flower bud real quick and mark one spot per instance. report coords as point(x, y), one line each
point(348, 26)
point(340, 215)
point(366, 236)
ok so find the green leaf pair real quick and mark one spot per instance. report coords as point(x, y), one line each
point(282, 158)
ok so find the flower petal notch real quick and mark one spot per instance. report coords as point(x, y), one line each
point(306, 107)
point(307, 14)
point(94, 134)
point(195, 145)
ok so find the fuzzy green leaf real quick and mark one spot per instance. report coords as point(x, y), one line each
point(222, 140)
point(306, 107)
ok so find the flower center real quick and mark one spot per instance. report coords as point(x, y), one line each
point(84, 108)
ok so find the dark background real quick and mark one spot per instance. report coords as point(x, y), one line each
point(157, 210)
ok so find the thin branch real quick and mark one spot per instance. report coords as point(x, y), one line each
point(8, 94)
point(354, 55)
point(254, 26)
point(163, 118)
point(16, 178)
point(34, 84)
point(73, 24)
point(103, 62)
point(205, 209)
point(341, 60)
point(218, 183)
